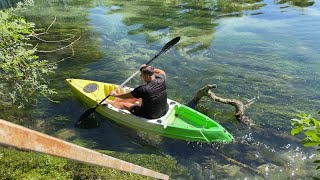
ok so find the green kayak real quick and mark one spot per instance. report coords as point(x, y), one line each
point(180, 122)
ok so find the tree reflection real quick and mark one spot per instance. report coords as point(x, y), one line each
point(194, 20)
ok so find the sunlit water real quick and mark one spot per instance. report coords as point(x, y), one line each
point(266, 51)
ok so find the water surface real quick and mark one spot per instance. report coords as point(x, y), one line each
point(250, 49)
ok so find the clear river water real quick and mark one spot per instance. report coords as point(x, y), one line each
point(264, 50)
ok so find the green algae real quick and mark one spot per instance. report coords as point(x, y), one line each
point(66, 134)
point(231, 170)
point(30, 165)
point(299, 3)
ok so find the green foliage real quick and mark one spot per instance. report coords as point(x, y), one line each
point(310, 126)
point(22, 73)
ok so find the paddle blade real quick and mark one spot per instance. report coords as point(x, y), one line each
point(170, 44)
point(83, 117)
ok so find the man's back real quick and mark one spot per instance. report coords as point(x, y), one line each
point(154, 97)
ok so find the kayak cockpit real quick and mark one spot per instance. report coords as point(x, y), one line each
point(186, 117)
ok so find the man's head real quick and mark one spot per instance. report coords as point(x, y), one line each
point(147, 70)
point(147, 73)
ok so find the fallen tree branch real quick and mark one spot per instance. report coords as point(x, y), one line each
point(240, 107)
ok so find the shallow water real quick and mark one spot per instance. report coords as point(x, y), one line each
point(261, 50)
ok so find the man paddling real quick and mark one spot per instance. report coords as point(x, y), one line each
point(148, 100)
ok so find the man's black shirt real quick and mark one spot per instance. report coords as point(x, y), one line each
point(154, 97)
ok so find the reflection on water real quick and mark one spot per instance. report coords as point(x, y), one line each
point(249, 48)
point(193, 20)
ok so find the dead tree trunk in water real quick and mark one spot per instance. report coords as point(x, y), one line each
point(240, 107)
point(240, 115)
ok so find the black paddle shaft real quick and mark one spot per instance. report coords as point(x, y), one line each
point(165, 48)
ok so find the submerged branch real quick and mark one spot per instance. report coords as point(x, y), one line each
point(46, 41)
point(69, 45)
point(55, 18)
point(240, 107)
point(46, 32)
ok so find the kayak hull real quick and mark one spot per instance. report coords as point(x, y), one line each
point(180, 121)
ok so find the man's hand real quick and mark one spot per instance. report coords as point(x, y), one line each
point(142, 66)
point(113, 93)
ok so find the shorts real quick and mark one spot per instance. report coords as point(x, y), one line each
point(137, 110)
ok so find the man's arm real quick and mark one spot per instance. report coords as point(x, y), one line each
point(158, 71)
point(155, 70)
point(122, 96)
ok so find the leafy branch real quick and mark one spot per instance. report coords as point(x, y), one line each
point(22, 72)
point(310, 127)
